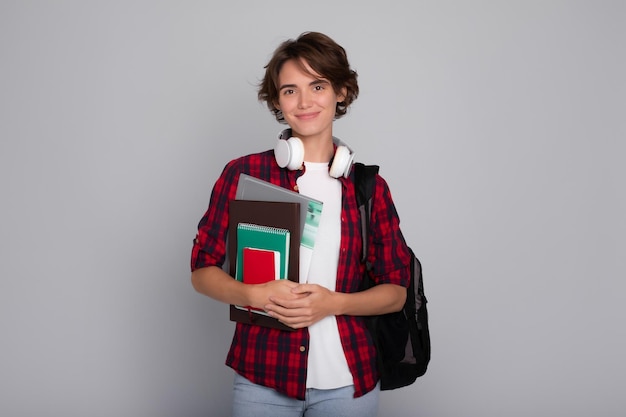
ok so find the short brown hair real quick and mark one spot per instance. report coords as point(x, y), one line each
point(324, 56)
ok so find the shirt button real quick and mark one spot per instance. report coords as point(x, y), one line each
point(302, 348)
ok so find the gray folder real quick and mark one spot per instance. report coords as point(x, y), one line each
point(251, 188)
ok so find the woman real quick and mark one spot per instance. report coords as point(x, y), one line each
point(327, 366)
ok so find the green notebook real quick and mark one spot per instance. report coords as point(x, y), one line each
point(262, 237)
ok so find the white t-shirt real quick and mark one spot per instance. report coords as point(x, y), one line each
point(327, 367)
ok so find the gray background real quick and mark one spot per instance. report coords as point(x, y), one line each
point(499, 125)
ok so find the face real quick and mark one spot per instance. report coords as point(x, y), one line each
point(307, 100)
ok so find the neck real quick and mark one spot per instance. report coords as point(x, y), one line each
point(318, 151)
point(317, 148)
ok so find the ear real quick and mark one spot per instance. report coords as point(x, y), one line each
point(341, 96)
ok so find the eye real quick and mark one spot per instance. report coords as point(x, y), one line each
point(318, 87)
point(287, 92)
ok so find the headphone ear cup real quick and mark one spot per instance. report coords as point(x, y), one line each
point(342, 162)
point(289, 153)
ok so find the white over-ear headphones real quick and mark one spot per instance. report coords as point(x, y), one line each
point(289, 153)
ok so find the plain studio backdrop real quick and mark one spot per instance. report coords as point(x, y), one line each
point(499, 125)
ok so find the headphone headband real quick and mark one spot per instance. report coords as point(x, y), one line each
point(289, 153)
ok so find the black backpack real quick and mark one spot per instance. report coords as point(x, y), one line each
point(402, 339)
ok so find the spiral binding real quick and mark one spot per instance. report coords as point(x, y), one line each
point(268, 229)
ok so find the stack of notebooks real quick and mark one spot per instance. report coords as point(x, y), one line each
point(271, 236)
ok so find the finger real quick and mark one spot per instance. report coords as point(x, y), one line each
point(293, 322)
point(288, 309)
point(281, 307)
point(303, 289)
point(291, 303)
point(285, 283)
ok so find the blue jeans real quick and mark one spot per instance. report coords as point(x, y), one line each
point(252, 400)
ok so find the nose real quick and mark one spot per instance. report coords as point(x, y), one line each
point(304, 100)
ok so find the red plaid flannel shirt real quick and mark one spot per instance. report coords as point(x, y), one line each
point(278, 359)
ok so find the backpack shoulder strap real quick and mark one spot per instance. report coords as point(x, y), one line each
point(364, 182)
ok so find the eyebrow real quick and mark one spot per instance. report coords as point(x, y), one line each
point(312, 83)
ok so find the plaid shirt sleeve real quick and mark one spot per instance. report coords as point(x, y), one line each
point(388, 251)
point(278, 359)
point(209, 246)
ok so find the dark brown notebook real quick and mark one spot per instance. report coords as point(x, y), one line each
point(285, 215)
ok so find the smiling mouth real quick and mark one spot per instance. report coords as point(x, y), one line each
point(306, 116)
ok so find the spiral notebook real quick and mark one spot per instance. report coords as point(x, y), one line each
point(273, 239)
point(262, 255)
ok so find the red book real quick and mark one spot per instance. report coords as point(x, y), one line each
point(260, 265)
